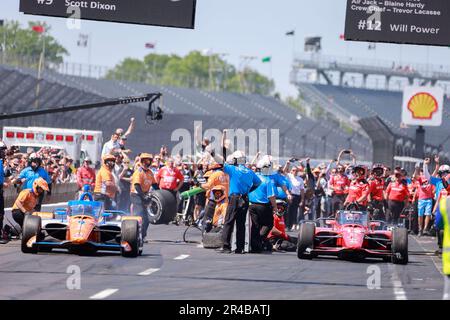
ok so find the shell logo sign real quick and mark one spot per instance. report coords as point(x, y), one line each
point(423, 106)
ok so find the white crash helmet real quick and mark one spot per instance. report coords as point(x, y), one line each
point(444, 168)
point(238, 157)
point(265, 165)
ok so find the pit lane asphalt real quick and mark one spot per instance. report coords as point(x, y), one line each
point(178, 270)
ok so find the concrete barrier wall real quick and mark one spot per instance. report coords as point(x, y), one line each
point(60, 193)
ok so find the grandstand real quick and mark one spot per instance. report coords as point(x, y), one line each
point(364, 99)
point(299, 135)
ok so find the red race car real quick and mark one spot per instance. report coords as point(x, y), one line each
point(351, 235)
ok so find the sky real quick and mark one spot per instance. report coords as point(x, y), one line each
point(235, 27)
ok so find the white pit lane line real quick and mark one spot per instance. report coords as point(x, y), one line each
point(148, 272)
point(399, 292)
point(181, 257)
point(103, 294)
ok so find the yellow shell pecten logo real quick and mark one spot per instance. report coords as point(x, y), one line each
point(423, 105)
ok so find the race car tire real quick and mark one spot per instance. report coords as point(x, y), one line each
point(399, 246)
point(212, 240)
point(31, 227)
point(130, 233)
point(162, 208)
point(305, 240)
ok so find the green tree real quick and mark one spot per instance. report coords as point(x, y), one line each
point(296, 103)
point(24, 46)
point(155, 65)
point(129, 70)
point(254, 82)
point(195, 70)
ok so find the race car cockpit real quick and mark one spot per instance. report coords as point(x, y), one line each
point(352, 217)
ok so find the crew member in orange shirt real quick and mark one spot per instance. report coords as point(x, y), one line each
point(216, 177)
point(141, 183)
point(27, 200)
point(105, 186)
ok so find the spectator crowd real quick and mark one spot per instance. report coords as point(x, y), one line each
point(293, 192)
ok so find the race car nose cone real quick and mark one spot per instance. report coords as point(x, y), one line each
point(353, 238)
point(79, 240)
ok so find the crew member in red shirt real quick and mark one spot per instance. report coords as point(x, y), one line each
point(376, 192)
point(339, 185)
point(169, 177)
point(397, 194)
point(358, 191)
point(86, 175)
point(278, 236)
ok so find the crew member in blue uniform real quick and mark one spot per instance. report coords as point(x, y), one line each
point(31, 173)
point(242, 181)
point(262, 207)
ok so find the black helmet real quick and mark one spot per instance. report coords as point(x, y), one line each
point(359, 168)
point(36, 159)
point(378, 168)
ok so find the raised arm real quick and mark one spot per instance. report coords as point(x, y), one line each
point(436, 168)
point(130, 128)
point(255, 159)
point(338, 161)
point(426, 173)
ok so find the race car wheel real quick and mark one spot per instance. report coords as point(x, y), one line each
point(162, 208)
point(31, 227)
point(130, 234)
point(212, 240)
point(399, 246)
point(305, 240)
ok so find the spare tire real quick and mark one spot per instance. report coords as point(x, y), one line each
point(212, 240)
point(399, 246)
point(162, 208)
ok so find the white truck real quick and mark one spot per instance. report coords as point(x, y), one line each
point(78, 144)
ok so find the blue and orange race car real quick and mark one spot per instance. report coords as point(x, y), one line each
point(83, 227)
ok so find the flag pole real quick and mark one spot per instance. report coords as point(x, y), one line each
point(293, 44)
point(270, 68)
point(89, 53)
point(4, 42)
point(40, 70)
